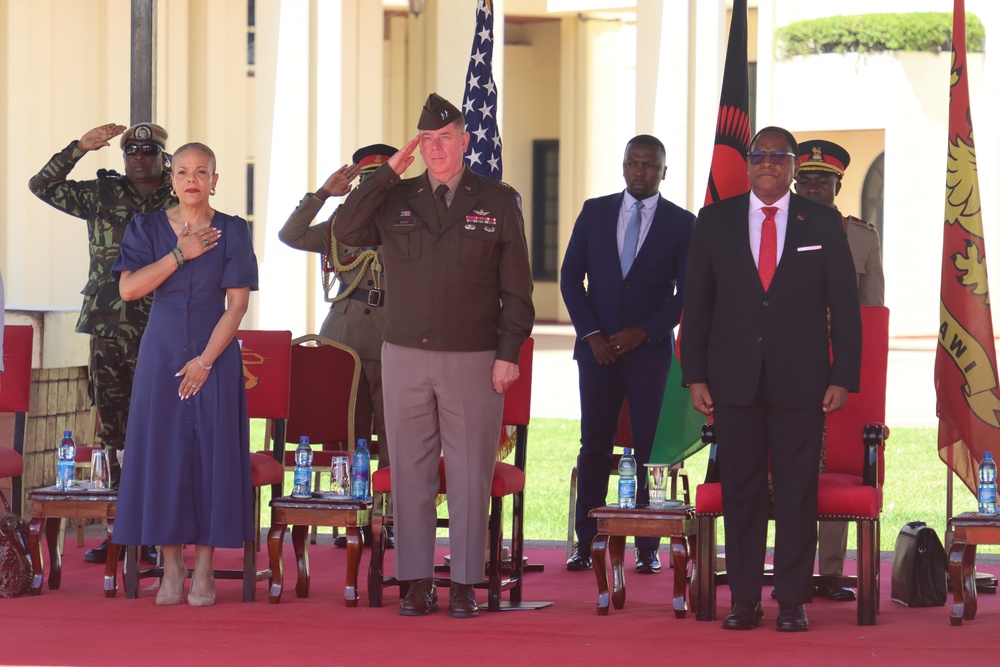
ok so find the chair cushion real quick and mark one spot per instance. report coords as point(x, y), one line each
point(840, 495)
point(507, 479)
point(11, 463)
point(265, 470)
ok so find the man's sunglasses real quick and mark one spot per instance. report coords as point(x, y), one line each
point(149, 150)
point(758, 157)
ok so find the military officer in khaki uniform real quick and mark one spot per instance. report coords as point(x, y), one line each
point(456, 257)
point(357, 313)
point(108, 203)
point(822, 168)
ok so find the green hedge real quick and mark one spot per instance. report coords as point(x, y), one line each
point(918, 31)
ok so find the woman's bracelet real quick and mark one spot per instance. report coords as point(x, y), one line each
point(198, 359)
point(178, 257)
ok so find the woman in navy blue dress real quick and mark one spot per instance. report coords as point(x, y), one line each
point(186, 479)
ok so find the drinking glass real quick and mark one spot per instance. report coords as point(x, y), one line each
point(657, 477)
point(100, 469)
point(340, 476)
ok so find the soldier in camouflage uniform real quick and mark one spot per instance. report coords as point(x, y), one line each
point(108, 203)
point(357, 316)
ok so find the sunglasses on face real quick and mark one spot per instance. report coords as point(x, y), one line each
point(149, 150)
point(759, 157)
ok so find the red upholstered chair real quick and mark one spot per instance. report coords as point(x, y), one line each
point(266, 368)
point(508, 480)
point(15, 397)
point(849, 490)
point(324, 393)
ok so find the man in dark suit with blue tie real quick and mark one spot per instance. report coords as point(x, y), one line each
point(632, 249)
point(770, 286)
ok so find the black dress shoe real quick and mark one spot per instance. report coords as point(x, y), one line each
point(462, 601)
point(580, 560)
point(744, 616)
point(146, 554)
point(836, 593)
point(420, 600)
point(647, 561)
point(792, 618)
point(340, 541)
point(99, 554)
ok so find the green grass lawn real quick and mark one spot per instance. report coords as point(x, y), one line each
point(914, 489)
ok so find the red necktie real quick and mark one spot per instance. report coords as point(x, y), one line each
point(767, 257)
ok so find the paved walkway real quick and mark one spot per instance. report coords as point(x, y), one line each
point(910, 399)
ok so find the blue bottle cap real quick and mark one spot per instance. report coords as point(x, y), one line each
point(628, 451)
point(988, 455)
point(67, 434)
point(304, 440)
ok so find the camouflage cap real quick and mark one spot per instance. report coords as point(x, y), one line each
point(437, 113)
point(145, 132)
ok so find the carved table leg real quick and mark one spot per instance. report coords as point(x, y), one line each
point(275, 538)
point(375, 564)
point(597, 549)
point(301, 559)
point(617, 543)
point(961, 575)
point(354, 549)
point(52, 526)
point(111, 567)
point(679, 553)
point(37, 571)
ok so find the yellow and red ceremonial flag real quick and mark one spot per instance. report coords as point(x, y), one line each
point(965, 369)
point(678, 432)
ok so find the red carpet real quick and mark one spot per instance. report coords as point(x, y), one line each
point(76, 625)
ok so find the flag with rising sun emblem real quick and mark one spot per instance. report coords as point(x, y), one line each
point(965, 368)
point(479, 104)
point(678, 432)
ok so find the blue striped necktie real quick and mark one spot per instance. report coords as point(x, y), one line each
point(631, 243)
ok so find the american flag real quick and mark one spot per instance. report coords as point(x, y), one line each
point(479, 104)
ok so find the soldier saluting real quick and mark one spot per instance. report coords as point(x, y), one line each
point(108, 203)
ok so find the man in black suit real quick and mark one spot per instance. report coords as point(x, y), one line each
point(770, 286)
point(624, 318)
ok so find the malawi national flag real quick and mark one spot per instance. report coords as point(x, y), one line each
point(678, 433)
point(479, 103)
point(965, 370)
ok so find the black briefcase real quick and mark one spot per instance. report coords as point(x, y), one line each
point(919, 567)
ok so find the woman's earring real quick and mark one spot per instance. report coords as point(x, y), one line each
point(212, 191)
point(173, 193)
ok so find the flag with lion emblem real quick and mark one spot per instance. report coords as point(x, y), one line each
point(965, 369)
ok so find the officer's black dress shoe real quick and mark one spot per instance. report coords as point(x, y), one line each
point(340, 541)
point(146, 554)
point(836, 593)
point(580, 560)
point(99, 554)
point(647, 561)
point(744, 616)
point(792, 618)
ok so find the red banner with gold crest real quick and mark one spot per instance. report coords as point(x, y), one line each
point(965, 369)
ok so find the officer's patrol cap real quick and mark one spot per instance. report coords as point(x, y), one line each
point(820, 155)
point(145, 132)
point(437, 113)
point(370, 158)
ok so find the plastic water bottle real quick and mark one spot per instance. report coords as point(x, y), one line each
point(988, 485)
point(302, 487)
point(626, 480)
point(361, 471)
point(66, 467)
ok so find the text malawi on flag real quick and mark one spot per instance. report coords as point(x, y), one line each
point(479, 104)
point(965, 369)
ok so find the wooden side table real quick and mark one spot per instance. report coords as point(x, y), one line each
point(320, 510)
point(49, 508)
point(615, 523)
point(970, 528)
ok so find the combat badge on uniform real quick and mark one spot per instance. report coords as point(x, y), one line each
point(481, 219)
